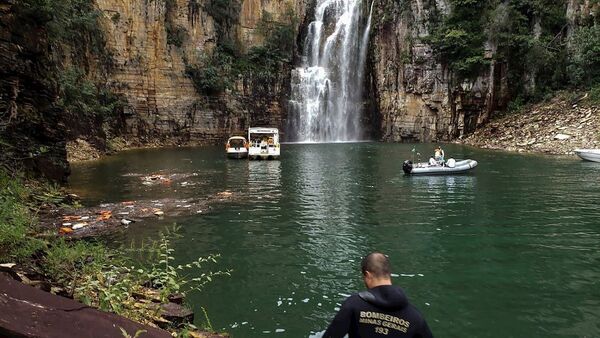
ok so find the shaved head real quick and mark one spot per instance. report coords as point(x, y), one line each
point(377, 264)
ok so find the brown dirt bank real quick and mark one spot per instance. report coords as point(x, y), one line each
point(555, 127)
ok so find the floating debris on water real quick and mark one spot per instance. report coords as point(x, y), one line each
point(79, 225)
point(87, 222)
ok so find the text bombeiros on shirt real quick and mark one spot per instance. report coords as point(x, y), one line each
point(383, 320)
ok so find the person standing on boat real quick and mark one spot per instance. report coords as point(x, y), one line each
point(439, 154)
point(381, 311)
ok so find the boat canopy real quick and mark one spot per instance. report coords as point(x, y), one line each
point(261, 130)
point(258, 134)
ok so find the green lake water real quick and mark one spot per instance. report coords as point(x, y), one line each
point(510, 250)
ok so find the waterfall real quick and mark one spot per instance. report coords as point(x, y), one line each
point(326, 94)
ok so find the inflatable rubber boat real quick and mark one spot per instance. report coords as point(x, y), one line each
point(449, 167)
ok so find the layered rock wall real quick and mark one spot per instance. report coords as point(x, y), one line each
point(151, 72)
point(144, 50)
point(414, 92)
point(418, 98)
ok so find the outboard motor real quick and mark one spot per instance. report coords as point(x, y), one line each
point(407, 166)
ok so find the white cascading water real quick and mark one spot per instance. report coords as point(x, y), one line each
point(326, 97)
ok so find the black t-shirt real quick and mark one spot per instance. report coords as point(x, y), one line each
point(383, 311)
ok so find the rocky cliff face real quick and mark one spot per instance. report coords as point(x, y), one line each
point(141, 52)
point(151, 70)
point(412, 94)
point(32, 134)
point(414, 91)
point(419, 98)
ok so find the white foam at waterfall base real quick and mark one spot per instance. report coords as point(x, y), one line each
point(326, 94)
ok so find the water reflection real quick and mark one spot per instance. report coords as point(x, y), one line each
point(264, 183)
point(462, 185)
point(326, 192)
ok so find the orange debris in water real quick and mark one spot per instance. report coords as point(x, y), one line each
point(104, 215)
point(65, 230)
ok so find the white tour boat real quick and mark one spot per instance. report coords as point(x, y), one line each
point(264, 143)
point(237, 147)
point(589, 154)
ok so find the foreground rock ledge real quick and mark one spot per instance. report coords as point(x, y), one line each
point(28, 312)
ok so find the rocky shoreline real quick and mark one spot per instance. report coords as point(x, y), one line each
point(556, 127)
point(82, 150)
point(62, 223)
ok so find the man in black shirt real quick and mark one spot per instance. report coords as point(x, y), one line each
point(381, 311)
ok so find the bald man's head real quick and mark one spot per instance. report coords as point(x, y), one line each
point(377, 264)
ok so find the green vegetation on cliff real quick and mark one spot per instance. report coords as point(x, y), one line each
point(68, 23)
point(584, 65)
point(78, 95)
point(261, 65)
point(78, 57)
point(529, 37)
point(54, 81)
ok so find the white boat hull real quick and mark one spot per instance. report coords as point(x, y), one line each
point(589, 154)
point(269, 152)
point(237, 154)
point(460, 167)
point(264, 155)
